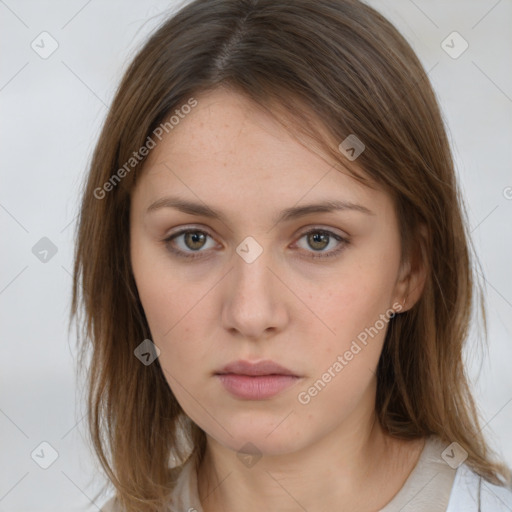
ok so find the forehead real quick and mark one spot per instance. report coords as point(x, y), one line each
point(228, 149)
point(227, 126)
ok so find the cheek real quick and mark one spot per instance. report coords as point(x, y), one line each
point(174, 316)
point(167, 298)
point(356, 310)
point(176, 309)
point(342, 367)
point(175, 322)
point(356, 303)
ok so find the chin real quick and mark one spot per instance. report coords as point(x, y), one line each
point(259, 444)
point(265, 435)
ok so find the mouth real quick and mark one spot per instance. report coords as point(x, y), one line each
point(256, 381)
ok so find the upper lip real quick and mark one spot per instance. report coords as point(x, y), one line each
point(254, 369)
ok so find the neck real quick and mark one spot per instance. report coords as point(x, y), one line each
point(352, 468)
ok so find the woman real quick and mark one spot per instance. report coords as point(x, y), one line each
point(275, 272)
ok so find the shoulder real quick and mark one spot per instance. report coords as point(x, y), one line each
point(184, 496)
point(471, 492)
point(110, 506)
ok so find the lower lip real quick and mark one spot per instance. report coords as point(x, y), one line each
point(258, 387)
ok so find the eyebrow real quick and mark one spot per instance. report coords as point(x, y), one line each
point(287, 214)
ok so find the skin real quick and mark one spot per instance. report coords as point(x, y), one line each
point(285, 306)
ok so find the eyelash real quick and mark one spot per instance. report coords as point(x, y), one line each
point(197, 254)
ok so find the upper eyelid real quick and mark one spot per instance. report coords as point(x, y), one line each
point(304, 231)
point(190, 255)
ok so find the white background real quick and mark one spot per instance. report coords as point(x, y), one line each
point(52, 110)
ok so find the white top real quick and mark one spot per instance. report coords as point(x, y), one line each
point(432, 486)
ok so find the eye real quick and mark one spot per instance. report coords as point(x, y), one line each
point(319, 239)
point(194, 240)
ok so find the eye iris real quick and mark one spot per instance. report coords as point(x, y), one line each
point(195, 237)
point(321, 238)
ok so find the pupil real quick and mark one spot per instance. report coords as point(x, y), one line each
point(317, 239)
point(195, 239)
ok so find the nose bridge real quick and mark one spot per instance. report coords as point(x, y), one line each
point(251, 275)
point(253, 303)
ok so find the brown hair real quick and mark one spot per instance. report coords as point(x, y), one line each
point(343, 64)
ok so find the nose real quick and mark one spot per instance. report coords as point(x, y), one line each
point(254, 299)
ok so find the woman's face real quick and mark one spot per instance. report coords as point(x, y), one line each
point(311, 291)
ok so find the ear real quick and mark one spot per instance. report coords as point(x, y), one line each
point(413, 273)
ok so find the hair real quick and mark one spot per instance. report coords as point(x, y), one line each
point(330, 66)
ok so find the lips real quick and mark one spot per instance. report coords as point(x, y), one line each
point(256, 381)
point(256, 369)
